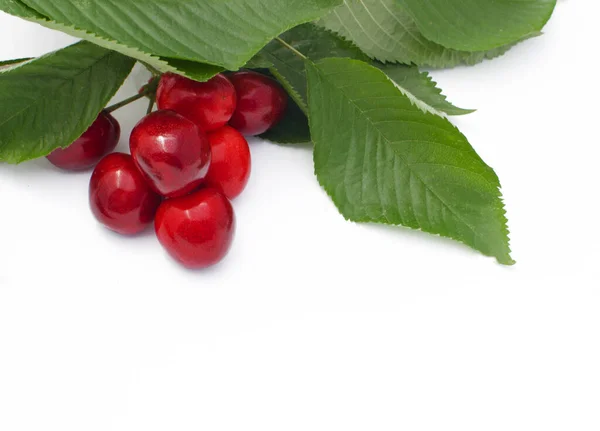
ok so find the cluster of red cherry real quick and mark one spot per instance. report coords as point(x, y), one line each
point(188, 160)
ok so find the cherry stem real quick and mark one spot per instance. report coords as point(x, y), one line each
point(126, 102)
point(150, 106)
point(291, 48)
point(149, 90)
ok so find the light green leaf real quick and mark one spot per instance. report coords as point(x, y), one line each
point(420, 89)
point(479, 25)
point(193, 70)
point(385, 30)
point(388, 162)
point(224, 33)
point(318, 43)
point(49, 102)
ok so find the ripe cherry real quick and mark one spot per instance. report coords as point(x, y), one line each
point(198, 229)
point(231, 162)
point(171, 152)
point(100, 139)
point(208, 104)
point(119, 196)
point(261, 103)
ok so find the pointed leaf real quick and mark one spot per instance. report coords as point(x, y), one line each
point(388, 162)
point(479, 25)
point(224, 33)
point(318, 43)
point(420, 89)
point(193, 70)
point(384, 30)
point(51, 101)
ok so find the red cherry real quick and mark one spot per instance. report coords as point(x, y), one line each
point(231, 162)
point(208, 104)
point(261, 103)
point(198, 229)
point(119, 196)
point(171, 152)
point(100, 139)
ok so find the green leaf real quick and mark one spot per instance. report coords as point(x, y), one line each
point(479, 25)
point(49, 102)
point(421, 89)
point(292, 129)
point(18, 8)
point(318, 43)
point(193, 70)
point(224, 33)
point(312, 41)
point(258, 62)
point(385, 30)
point(386, 161)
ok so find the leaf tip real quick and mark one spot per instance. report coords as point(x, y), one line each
point(460, 111)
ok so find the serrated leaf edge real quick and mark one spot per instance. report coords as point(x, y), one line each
point(501, 207)
point(158, 62)
point(290, 89)
point(423, 106)
point(488, 55)
point(13, 160)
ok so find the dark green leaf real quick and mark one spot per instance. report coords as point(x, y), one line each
point(312, 41)
point(293, 129)
point(49, 102)
point(318, 43)
point(224, 33)
point(386, 161)
point(258, 62)
point(191, 69)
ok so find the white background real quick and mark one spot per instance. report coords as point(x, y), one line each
point(313, 323)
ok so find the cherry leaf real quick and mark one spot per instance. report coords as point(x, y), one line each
point(51, 101)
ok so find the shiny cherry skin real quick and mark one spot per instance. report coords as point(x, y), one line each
point(120, 198)
point(171, 152)
point(231, 161)
point(208, 104)
point(261, 103)
point(100, 139)
point(198, 229)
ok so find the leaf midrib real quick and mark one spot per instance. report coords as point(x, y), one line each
point(408, 166)
point(65, 81)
